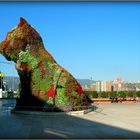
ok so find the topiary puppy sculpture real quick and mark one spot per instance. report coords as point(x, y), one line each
point(42, 80)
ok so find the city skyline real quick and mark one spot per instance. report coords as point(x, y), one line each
point(119, 84)
point(98, 40)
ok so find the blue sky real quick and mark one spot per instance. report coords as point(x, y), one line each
point(96, 39)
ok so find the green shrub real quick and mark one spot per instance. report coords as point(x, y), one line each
point(113, 94)
point(131, 93)
point(138, 93)
point(91, 94)
point(122, 94)
point(4, 94)
point(94, 94)
point(16, 94)
point(103, 94)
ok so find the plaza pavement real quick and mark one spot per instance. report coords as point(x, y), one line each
point(108, 121)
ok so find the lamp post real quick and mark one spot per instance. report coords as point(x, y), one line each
point(1, 83)
point(1, 79)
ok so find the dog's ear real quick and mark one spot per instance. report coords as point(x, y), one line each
point(22, 22)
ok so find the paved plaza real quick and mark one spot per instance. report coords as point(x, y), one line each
point(108, 121)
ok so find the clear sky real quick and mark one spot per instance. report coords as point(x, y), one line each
point(98, 40)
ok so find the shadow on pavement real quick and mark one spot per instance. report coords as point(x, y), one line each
point(58, 126)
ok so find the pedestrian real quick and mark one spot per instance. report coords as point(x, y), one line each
point(116, 99)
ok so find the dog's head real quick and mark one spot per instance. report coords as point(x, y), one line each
point(17, 39)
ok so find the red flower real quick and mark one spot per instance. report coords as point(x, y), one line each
point(40, 64)
point(80, 91)
point(24, 66)
point(51, 92)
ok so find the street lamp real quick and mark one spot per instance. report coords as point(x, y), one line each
point(1, 79)
point(1, 83)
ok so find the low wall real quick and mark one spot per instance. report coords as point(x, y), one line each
point(108, 100)
point(101, 99)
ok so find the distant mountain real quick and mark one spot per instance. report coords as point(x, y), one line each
point(84, 82)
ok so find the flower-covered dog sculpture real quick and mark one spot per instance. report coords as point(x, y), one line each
point(42, 80)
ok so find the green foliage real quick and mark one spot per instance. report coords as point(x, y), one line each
point(103, 95)
point(78, 100)
point(91, 94)
point(12, 56)
point(122, 94)
point(95, 94)
point(41, 84)
point(16, 94)
point(113, 94)
point(61, 98)
point(4, 94)
point(138, 93)
point(131, 94)
point(50, 101)
point(26, 57)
